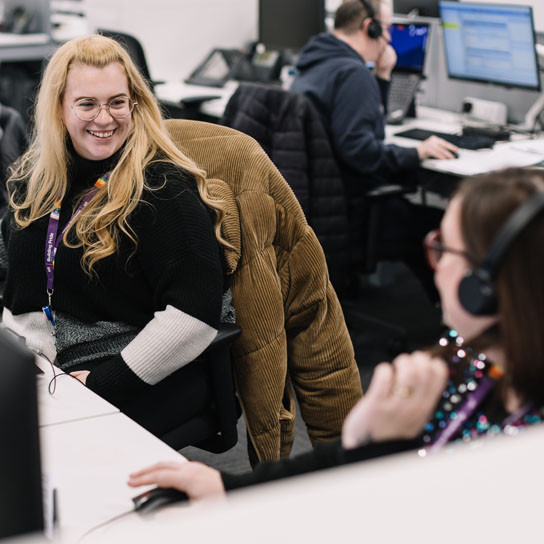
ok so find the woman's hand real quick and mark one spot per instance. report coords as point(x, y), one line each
point(81, 375)
point(399, 401)
point(196, 479)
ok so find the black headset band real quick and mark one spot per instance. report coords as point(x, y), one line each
point(511, 230)
point(368, 6)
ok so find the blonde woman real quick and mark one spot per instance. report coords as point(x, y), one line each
point(113, 248)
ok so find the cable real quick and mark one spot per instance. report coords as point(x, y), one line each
point(104, 523)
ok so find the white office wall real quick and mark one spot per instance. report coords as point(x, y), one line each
point(177, 34)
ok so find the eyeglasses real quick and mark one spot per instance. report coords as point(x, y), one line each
point(88, 110)
point(434, 249)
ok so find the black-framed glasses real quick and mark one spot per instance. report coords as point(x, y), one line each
point(434, 249)
point(88, 109)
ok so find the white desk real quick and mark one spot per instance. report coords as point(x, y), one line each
point(518, 152)
point(20, 47)
point(177, 92)
point(89, 461)
point(487, 492)
point(88, 449)
point(71, 401)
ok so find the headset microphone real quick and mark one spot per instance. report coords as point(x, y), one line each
point(477, 292)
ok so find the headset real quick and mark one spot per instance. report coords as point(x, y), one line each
point(375, 29)
point(477, 292)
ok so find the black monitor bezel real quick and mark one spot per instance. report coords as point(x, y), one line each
point(319, 4)
point(507, 85)
point(406, 11)
point(21, 494)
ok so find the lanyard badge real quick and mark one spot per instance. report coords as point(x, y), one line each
point(52, 242)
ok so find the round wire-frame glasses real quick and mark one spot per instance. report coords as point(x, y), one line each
point(88, 109)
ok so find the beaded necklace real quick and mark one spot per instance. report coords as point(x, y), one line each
point(459, 415)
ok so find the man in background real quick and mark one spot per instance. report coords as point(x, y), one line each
point(351, 99)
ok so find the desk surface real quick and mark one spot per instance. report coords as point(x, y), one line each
point(519, 152)
point(20, 47)
point(481, 492)
point(71, 400)
point(89, 461)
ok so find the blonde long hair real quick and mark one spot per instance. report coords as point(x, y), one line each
point(43, 166)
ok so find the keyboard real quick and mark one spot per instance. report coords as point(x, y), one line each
point(402, 91)
point(465, 141)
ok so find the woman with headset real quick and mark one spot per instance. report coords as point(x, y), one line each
point(485, 376)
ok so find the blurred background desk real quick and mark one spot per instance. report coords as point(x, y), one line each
point(442, 176)
point(24, 47)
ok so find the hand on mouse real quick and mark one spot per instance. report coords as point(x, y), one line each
point(196, 479)
point(436, 148)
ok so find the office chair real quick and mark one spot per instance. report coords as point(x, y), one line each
point(294, 338)
point(214, 428)
point(135, 50)
point(289, 129)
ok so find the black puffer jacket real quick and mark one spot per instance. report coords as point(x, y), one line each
point(288, 128)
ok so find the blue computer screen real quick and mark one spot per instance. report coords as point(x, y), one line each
point(491, 43)
point(410, 44)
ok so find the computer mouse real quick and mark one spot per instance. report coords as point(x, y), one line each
point(157, 497)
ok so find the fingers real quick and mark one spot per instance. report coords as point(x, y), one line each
point(437, 148)
point(382, 381)
point(147, 475)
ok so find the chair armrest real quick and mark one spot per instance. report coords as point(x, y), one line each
point(226, 334)
point(387, 191)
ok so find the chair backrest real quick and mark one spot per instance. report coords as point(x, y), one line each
point(288, 128)
point(134, 48)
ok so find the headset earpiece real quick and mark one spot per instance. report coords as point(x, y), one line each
point(374, 29)
point(477, 291)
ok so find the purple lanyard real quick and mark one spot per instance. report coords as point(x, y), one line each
point(468, 407)
point(52, 241)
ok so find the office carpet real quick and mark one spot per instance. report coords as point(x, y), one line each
point(380, 309)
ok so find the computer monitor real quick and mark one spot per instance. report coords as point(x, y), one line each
point(289, 24)
point(423, 8)
point(490, 43)
point(21, 502)
point(409, 40)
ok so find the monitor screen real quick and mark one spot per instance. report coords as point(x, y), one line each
point(492, 43)
point(410, 43)
point(424, 8)
point(289, 24)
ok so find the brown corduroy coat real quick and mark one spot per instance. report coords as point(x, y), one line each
point(293, 329)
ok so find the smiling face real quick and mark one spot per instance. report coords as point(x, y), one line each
point(102, 137)
point(450, 270)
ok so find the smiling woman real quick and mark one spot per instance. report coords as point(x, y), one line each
point(95, 281)
point(96, 109)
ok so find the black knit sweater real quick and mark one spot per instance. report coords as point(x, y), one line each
point(152, 308)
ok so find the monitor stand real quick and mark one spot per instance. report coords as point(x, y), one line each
point(533, 115)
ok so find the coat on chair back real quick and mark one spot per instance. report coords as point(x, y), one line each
point(289, 129)
point(293, 331)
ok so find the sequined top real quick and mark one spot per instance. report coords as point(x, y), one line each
point(467, 370)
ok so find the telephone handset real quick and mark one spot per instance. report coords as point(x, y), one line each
point(220, 65)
